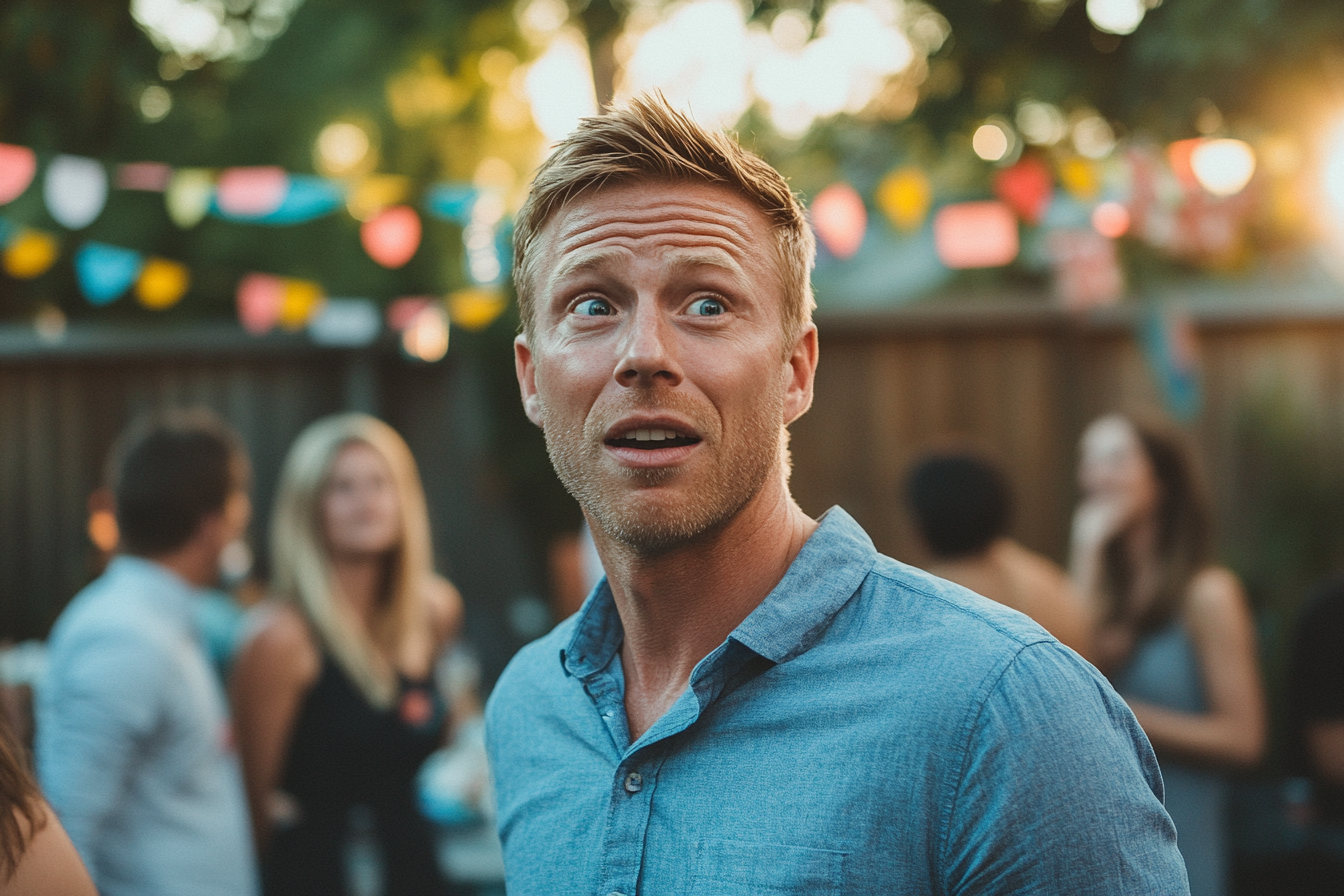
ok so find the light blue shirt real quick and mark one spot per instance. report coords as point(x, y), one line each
point(134, 748)
point(867, 729)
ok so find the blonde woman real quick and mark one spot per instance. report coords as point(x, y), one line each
point(333, 702)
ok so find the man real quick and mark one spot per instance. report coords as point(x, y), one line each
point(134, 748)
point(755, 701)
point(961, 504)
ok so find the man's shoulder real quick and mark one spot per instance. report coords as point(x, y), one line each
point(110, 623)
point(915, 600)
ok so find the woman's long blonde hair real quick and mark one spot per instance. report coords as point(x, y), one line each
point(301, 565)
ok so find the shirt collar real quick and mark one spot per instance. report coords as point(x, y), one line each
point(170, 595)
point(828, 570)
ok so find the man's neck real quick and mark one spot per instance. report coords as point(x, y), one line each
point(677, 607)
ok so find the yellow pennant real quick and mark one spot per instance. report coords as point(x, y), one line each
point(162, 283)
point(905, 196)
point(30, 254)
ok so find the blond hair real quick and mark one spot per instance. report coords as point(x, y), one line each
point(647, 140)
point(301, 566)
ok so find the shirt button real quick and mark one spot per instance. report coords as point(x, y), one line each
point(633, 782)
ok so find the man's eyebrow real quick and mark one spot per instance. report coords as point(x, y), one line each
point(585, 263)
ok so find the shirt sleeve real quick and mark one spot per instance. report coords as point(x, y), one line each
point(1058, 791)
point(98, 707)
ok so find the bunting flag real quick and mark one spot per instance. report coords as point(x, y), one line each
point(30, 253)
point(392, 236)
point(162, 283)
point(840, 220)
point(75, 190)
point(18, 167)
point(106, 272)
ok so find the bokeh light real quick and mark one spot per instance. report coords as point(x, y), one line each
point(991, 141)
point(1224, 166)
point(705, 56)
point(1110, 219)
point(1333, 176)
point(155, 103)
point(426, 337)
point(559, 85)
point(1093, 136)
point(342, 148)
point(1116, 16)
point(1041, 124)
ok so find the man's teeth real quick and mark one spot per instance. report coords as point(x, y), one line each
point(651, 435)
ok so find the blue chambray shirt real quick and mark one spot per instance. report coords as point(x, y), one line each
point(867, 729)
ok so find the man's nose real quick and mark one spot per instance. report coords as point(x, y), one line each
point(648, 350)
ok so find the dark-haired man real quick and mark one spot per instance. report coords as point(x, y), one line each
point(134, 748)
point(961, 505)
point(754, 701)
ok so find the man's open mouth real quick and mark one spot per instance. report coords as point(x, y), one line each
point(652, 439)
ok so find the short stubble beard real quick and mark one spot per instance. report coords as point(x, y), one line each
point(624, 510)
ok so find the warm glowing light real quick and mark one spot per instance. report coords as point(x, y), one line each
point(103, 531)
point(1116, 16)
point(1223, 167)
point(372, 194)
point(342, 148)
point(1110, 219)
point(155, 103)
point(539, 19)
point(189, 32)
point(50, 324)
point(1041, 124)
point(1093, 137)
point(991, 142)
point(559, 85)
point(975, 235)
point(475, 308)
point(1333, 174)
point(426, 339)
point(704, 56)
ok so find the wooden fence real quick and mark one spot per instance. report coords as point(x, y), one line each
point(1019, 380)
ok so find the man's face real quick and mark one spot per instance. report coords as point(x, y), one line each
point(656, 367)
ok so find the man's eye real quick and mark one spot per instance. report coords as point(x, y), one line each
point(593, 308)
point(706, 307)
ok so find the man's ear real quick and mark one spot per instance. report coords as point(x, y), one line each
point(802, 364)
point(527, 378)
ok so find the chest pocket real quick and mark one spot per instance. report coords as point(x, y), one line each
point(741, 868)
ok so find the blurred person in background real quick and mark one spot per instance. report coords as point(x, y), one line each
point(134, 748)
point(36, 855)
point(1173, 630)
point(333, 691)
point(1315, 712)
point(961, 505)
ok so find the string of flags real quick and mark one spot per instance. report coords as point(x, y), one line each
point(1063, 213)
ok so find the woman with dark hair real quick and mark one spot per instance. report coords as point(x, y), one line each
point(36, 856)
point(1172, 629)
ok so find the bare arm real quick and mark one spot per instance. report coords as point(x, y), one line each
point(49, 866)
point(1232, 731)
point(271, 674)
point(444, 605)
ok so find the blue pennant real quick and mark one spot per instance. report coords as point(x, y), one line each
point(106, 272)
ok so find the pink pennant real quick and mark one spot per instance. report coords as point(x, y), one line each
point(260, 297)
point(392, 237)
point(18, 165)
point(1026, 187)
point(840, 219)
point(251, 192)
point(152, 177)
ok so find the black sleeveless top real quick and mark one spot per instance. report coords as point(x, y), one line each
point(350, 763)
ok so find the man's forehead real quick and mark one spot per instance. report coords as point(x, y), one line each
point(703, 218)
